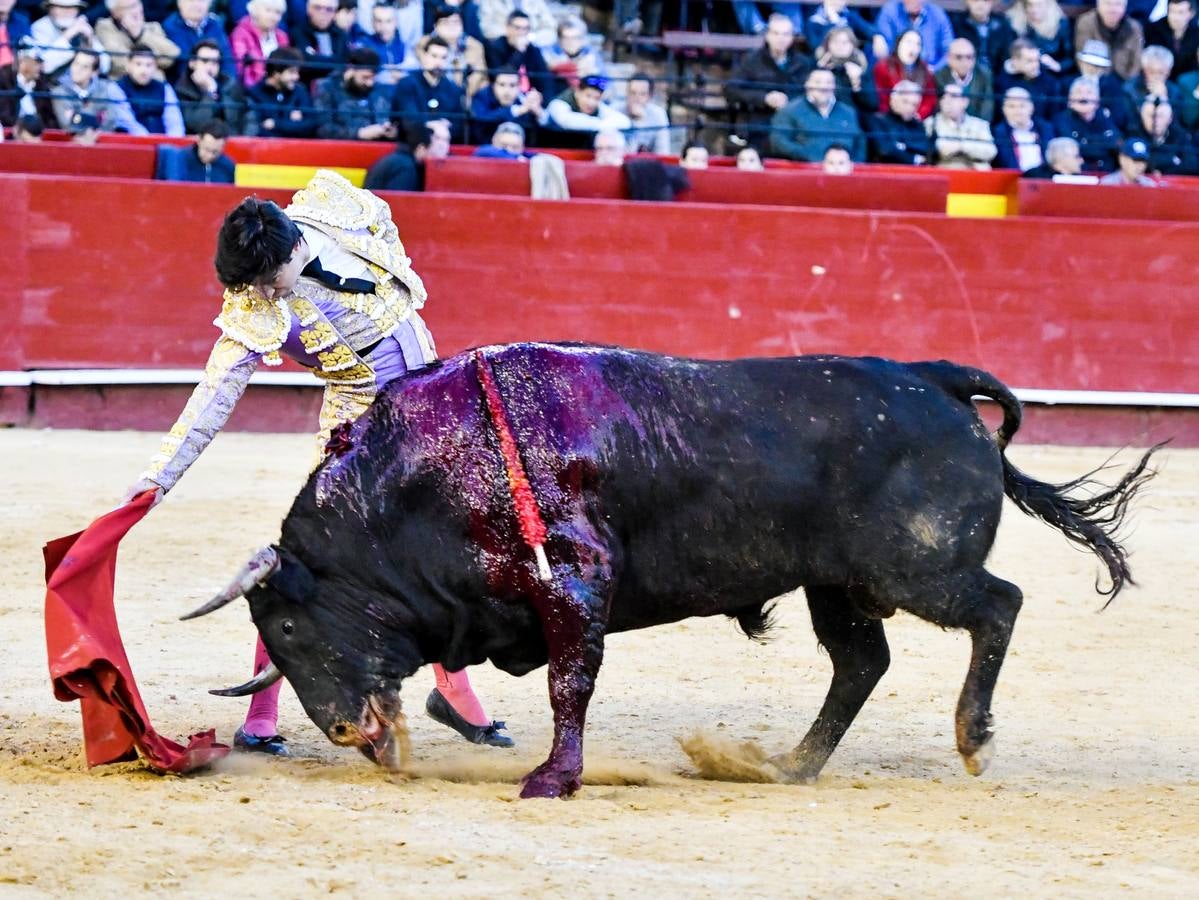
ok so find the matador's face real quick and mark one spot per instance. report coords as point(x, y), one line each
point(284, 281)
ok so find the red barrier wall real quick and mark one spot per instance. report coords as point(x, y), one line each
point(115, 273)
point(866, 190)
point(1178, 202)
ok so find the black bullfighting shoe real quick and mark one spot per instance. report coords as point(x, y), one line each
point(439, 710)
point(273, 745)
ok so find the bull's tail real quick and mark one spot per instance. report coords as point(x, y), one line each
point(1088, 512)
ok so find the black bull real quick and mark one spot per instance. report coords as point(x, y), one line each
point(670, 488)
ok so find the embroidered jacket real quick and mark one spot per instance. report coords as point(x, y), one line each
point(319, 327)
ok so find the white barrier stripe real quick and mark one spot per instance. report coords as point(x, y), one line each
point(99, 377)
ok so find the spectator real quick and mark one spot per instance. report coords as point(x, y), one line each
point(839, 54)
point(467, 10)
point(1153, 81)
point(766, 80)
point(428, 95)
point(1062, 158)
point(1179, 34)
point(1023, 69)
point(1133, 160)
point(80, 91)
point(651, 124)
point(831, 14)
point(1021, 137)
point(573, 56)
point(508, 142)
point(749, 160)
point(1044, 24)
point(495, 16)
point(279, 105)
point(346, 18)
point(62, 31)
point(898, 135)
point(1094, 61)
point(609, 148)
point(194, 22)
point(513, 49)
point(404, 169)
point(256, 37)
point(467, 64)
point(27, 130)
point(395, 56)
point(24, 88)
point(128, 27)
point(204, 161)
point(905, 64)
point(1170, 149)
point(694, 156)
point(959, 140)
point(206, 93)
point(924, 16)
point(582, 109)
point(990, 34)
point(352, 106)
point(751, 21)
point(805, 127)
point(631, 18)
point(323, 44)
point(1090, 125)
point(1188, 112)
point(1108, 22)
point(503, 102)
point(14, 25)
point(152, 100)
point(836, 160)
point(963, 70)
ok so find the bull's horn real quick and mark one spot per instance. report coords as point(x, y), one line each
point(261, 566)
point(263, 679)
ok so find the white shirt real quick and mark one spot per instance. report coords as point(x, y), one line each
point(332, 257)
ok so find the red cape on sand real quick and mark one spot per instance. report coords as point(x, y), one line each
point(87, 658)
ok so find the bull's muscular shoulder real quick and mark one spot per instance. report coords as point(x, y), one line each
point(330, 200)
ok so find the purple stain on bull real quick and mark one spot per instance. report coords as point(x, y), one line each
point(669, 488)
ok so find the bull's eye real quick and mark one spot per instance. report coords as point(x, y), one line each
point(287, 626)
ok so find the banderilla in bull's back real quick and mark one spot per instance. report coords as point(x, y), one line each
point(668, 488)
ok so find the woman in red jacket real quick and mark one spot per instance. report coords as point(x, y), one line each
point(905, 64)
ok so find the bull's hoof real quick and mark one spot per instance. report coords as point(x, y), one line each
point(545, 782)
point(977, 762)
point(787, 770)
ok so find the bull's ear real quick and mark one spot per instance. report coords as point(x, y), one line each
point(293, 580)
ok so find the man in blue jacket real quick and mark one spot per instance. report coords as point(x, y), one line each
point(805, 127)
point(898, 16)
point(192, 23)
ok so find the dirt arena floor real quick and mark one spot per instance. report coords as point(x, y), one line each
point(1094, 789)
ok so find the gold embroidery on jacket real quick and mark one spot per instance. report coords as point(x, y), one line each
point(255, 322)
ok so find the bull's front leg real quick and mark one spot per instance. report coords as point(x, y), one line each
point(574, 619)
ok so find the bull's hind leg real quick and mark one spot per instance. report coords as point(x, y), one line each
point(574, 619)
point(986, 607)
point(858, 649)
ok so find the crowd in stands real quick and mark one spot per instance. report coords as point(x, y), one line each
point(1112, 92)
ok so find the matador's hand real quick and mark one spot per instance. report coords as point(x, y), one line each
point(140, 487)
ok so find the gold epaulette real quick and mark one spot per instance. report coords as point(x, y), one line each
point(255, 322)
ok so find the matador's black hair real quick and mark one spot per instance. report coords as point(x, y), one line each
point(254, 242)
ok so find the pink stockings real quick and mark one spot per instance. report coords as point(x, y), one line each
point(263, 714)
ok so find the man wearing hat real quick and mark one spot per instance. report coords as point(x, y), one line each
point(1134, 159)
point(13, 26)
point(1095, 61)
point(24, 88)
point(1108, 22)
point(582, 109)
point(63, 30)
